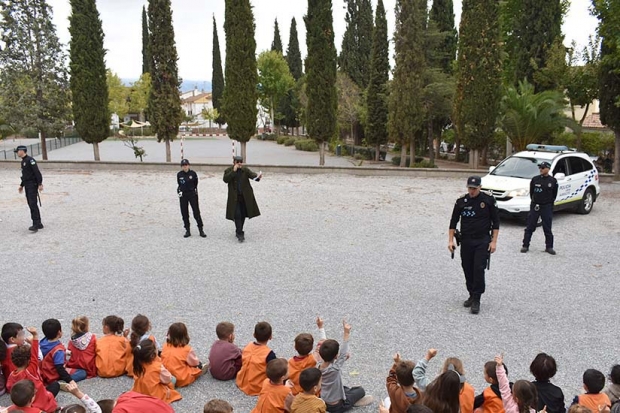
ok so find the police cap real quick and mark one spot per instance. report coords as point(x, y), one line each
point(544, 164)
point(238, 158)
point(184, 162)
point(21, 148)
point(474, 182)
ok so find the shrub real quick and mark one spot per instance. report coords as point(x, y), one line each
point(396, 160)
point(359, 156)
point(267, 136)
point(308, 145)
point(290, 141)
point(281, 139)
point(592, 143)
point(366, 153)
point(424, 164)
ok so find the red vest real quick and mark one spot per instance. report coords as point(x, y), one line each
point(84, 359)
point(7, 363)
point(48, 370)
point(133, 402)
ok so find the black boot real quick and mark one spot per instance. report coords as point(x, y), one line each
point(241, 236)
point(467, 303)
point(475, 307)
point(187, 234)
point(33, 228)
point(39, 226)
point(202, 233)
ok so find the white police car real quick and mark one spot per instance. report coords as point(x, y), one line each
point(509, 182)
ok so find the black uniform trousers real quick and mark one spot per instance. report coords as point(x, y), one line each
point(190, 198)
point(545, 212)
point(32, 192)
point(240, 213)
point(474, 255)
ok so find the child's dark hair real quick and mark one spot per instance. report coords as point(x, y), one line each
point(51, 327)
point(614, 376)
point(80, 325)
point(224, 330)
point(10, 330)
point(143, 353)
point(543, 367)
point(309, 378)
point(329, 350)
point(490, 368)
point(21, 356)
point(277, 369)
point(177, 335)
point(594, 380)
point(404, 372)
point(418, 408)
point(115, 324)
point(139, 327)
point(304, 343)
point(217, 406)
point(73, 408)
point(526, 395)
point(106, 405)
point(442, 395)
point(22, 392)
point(262, 331)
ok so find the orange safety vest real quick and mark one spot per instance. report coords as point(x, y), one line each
point(253, 368)
point(272, 398)
point(492, 402)
point(466, 398)
point(84, 359)
point(48, 369)
point(110, 356)
point(175, 361)
point(593, 400)
point(150, 384)
point(295, 366)
point(129, 357)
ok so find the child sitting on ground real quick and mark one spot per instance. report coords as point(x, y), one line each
point(523, 395)
point(140, 330)
point(25, 358)
point(593, 384)
point(225, 356)
point(150, 376)
point(543, 368)
point(217, 406)
point(337, 397)
point(275, 396)
point(442, 394)
point(179, 357)
point(23, 394)
point(13, 335)
point(53, 364)
point(304, 360)
point(82, 347)
point(400, 386)
point(254, 361)
point(111, 348)
point(466, 398)
point(308, 402)
point(490, 400)
point(613, 390)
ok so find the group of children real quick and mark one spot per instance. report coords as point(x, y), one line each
point(34, 371)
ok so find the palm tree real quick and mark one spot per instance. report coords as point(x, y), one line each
point(529, 117)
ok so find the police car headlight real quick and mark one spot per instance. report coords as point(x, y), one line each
point(519, 192)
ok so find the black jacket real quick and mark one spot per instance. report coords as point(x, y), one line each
point(551, 396)
point(188, 182)
point(30, 172)
point(478, 215)
point(543, 189)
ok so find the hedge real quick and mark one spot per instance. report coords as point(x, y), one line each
point(418, 160)
point(364, 151)
point(308, 145)
point(290, 141)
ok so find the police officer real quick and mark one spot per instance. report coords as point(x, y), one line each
point(32, 181)
point(241, 203)
point(188, 195)
point(543, 191)
point(479, 230)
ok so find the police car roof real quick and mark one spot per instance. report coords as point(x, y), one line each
point(549, 155)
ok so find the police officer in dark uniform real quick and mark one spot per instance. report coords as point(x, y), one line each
point(543, 191)
point(32, 181)
point(478, 236)
point(188, 195)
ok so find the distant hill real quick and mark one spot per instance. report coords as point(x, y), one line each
point(187, 85)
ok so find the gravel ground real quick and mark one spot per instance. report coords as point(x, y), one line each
point(371, 249)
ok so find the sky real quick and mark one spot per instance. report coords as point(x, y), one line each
point(193, 28)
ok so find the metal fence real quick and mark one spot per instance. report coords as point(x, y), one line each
point(35, 149)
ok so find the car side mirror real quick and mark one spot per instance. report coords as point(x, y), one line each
point(559, 176)
point(491, 168)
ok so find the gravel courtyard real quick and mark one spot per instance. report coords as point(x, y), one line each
point(371, 249)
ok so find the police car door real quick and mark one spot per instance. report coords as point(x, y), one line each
point(561, 173)
point(579, 174)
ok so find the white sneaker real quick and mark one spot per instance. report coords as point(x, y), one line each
point(364, 401)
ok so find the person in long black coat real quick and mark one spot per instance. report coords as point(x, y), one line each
point(241, 202)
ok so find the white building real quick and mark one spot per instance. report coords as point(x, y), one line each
point(194, 102)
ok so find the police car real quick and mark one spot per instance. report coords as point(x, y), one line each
point(509, 182)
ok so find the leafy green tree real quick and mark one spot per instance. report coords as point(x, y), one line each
point(146, 47)
point(240, 94)
point(164, 106)
point(321, 111)
point(118, 95)
point(34, 86)
point(88, 74)
point(377, 92)
point(276, 45)
point(139, 95)
point(437, 100)
point(274, 81)
point(349, 101)
point(217, 79)
point(530, 117)
point(210, 114)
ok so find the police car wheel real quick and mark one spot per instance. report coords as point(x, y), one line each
point(586, 203)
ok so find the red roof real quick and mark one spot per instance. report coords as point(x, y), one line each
point(593, 121)
point(197, 97)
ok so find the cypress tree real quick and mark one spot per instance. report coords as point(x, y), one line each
point(376, 97)
point(365, 30)
point(276, 45)
point(240, 93)
point(293, 55)
point(442, 18)
point(88, 74)
point(164, 106)
point(146, 48)
point(354, 57)
point(478, 74)
point(217, 76)
point(321, 113)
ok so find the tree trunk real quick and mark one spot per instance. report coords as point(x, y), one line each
point(243, 152)
point(431, 151)
point(322, 153)
point(378, 152)
point(457, 148)
point(473, 158)
point(580, 131)
point(485, 155)
point(412, 151)
point(43, 145)
point(403, 155)
point(616, 169)
point(168, 154)
point(273, 122)
point(352, 126)
point(508, 147)
point(96, 150)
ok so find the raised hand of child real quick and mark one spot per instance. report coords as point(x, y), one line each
point(289, 383)
point(319, 322)
point(397, 358)
point(499, 359)
point(346, 326)
point(430, 354)
point(73, 388)
point(33, 331)
point(125, 332)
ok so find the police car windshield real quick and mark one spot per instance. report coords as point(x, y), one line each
point(517, 167)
